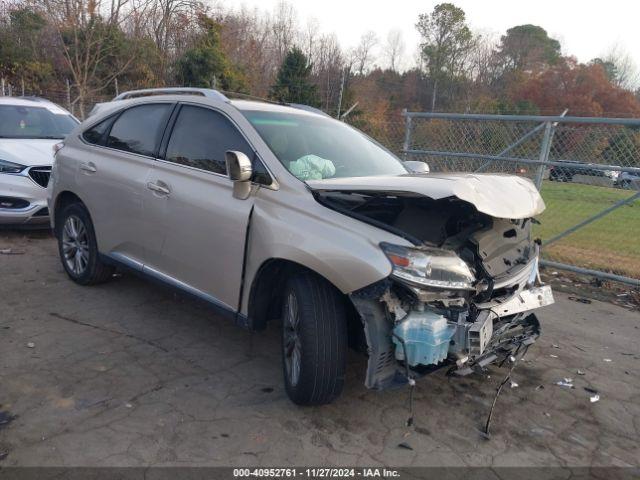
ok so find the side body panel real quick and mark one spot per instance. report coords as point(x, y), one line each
point(204, 230)
point(115, 196)
point(289, 224)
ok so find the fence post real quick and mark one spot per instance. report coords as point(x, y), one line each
point(69, 106)
point(545, 147)
point(2, 85)
point(22, 85)
point(407, 134)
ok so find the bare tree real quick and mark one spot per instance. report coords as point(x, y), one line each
point(310, 37)
point(394, 49)
point(283, 28)
point(363, 55)
point(625, 72)
point(88, 32)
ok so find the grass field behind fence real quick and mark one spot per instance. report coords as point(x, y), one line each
point(611, 243)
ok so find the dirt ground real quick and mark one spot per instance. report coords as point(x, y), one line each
point(132, 374)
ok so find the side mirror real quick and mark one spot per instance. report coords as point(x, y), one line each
point(238, 166)
point(415, 166)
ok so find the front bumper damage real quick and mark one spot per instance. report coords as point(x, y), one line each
point(469, 335)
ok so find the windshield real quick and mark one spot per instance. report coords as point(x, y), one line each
point(17, 121)
point(313, 147)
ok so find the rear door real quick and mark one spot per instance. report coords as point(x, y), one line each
point(204, 225)
point(112, 180)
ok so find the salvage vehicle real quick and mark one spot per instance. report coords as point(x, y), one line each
point(29, 128)
point(273, 211)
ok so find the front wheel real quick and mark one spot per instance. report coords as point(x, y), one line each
point(314, 340)
point(78, 248)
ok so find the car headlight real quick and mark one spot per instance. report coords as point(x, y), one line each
point(10, 167)
point(429, 267)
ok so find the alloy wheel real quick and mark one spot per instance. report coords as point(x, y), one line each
point(292, 344)
point(75, 245)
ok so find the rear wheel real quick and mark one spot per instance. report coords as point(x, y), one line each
point(314, 340)
point(78, 248)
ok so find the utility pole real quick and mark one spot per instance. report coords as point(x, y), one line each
point(341, 91)
point(22, 85)
point(115, 81)
point(2, 85)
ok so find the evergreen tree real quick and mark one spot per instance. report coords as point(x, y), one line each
point(206, 65)
point(293, 83)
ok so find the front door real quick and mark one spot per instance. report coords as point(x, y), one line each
point(204, 225)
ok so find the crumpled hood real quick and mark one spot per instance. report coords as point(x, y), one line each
point(501, 196)
point(28, 151)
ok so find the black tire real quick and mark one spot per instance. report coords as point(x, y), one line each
point(92, 271)
point(320, 337)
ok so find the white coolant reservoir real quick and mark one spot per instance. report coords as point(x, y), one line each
point(426, 337)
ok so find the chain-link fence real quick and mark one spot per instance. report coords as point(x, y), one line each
point(588, 171)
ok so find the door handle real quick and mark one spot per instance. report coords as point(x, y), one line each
point(88, 167)
point(161, 189)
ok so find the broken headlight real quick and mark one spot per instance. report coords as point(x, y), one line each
point(429, 267)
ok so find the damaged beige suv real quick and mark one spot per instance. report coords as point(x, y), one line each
point(271, 211)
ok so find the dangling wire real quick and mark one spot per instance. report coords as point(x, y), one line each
point(514, 361)
point(410, 379)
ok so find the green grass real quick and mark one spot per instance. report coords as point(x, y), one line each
point(611, 243)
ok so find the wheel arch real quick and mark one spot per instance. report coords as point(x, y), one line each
point(64, 199)
point(265, 298)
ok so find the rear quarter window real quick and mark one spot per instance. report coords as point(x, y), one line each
point(139, 129)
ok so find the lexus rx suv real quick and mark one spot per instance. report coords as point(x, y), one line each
point(273, 211)
point(29, 129)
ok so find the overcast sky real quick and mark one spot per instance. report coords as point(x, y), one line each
point(585, 28)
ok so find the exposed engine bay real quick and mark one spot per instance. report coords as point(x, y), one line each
point(461, 297)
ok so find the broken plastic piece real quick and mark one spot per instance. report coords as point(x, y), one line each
point(594, 398)
point(567, 382)
point(31, 345)
point(580, 372)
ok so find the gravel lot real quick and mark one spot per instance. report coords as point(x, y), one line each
point(130, 373)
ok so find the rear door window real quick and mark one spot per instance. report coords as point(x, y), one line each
point(200, 138)
point(139, 129)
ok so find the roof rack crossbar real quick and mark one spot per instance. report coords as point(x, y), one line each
point(204, 92)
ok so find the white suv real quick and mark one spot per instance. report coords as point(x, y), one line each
point(29, 129)
point(271, 211)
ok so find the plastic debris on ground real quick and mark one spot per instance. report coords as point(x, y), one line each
point(565, 382)
point(606, 360)
point(580, 300)
point(31, 345)
point(580, 372)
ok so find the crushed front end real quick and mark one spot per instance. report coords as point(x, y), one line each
point(462, 297)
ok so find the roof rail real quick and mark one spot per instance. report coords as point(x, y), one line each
point(203, 92)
